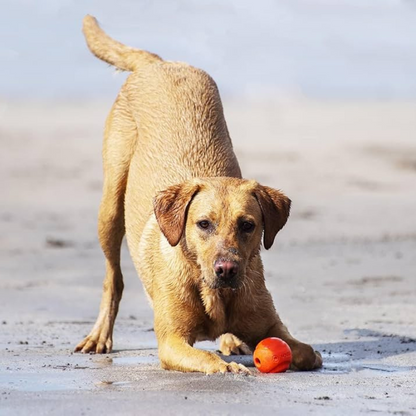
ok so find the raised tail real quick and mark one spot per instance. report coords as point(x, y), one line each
point(115, 53)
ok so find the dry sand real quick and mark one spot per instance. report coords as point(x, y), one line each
point(342, 272)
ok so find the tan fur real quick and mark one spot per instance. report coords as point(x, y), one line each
point(169, 170)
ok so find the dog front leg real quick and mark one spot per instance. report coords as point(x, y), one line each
point(175, 353)
point(303, 355)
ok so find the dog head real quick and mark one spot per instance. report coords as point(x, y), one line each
point(220, 223)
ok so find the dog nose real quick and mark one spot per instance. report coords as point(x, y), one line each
point(225, 269)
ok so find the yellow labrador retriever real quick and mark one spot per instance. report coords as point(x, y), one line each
point(173, 185)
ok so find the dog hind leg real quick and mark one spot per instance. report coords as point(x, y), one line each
point(119, 143)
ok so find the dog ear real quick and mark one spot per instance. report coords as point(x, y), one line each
point(275, 207)
point(170, 207)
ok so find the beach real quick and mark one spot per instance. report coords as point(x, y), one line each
point(341, 272)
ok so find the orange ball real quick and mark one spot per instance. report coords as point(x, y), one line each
point(272, 355)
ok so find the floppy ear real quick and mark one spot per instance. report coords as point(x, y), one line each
point(170, 207)
point(275, 207)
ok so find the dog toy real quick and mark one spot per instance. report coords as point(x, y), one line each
point(272, 355)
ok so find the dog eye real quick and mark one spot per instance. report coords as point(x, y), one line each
point(204, 224)
point(247, 226)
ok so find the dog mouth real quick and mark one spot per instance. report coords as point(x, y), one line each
point(231, 284)
point(215, 283)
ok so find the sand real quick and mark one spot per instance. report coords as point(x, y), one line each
point(342, 272)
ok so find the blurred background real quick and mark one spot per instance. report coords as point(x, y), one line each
point(331, 49)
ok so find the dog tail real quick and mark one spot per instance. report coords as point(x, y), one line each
point(115, 53)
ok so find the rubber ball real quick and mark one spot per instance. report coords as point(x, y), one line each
point(272, 355)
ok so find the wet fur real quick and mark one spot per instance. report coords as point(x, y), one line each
point(168, 159)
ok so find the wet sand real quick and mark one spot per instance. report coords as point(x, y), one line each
point(342, 272)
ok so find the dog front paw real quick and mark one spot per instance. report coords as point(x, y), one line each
point(180, 356)
point(230, 344)
point(305, 358)
point(232, 368)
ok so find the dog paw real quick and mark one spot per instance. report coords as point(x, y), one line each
point(318, 360)
point(233, 368)
point(231, 345)
point(305, 358)
point(98, 341)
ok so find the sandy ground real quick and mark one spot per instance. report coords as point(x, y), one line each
point(342, 272)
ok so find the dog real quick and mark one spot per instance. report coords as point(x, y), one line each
point(194, 227)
